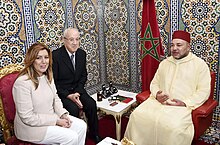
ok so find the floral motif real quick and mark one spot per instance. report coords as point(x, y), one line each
point(199, 10)
point(85, 16)
point(116, 38)
point(10, 18)
point(50, 19)
point(199, 18)
point(116, 11)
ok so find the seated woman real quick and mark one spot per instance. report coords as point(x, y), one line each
point(40, 117)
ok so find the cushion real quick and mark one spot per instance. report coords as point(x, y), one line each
point(6, 84)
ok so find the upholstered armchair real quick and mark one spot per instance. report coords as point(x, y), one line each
point(8, 75)
point(202, 116)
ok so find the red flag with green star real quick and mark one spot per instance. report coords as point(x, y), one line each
point(151, 48)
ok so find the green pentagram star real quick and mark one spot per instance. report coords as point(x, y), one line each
point(152, 51)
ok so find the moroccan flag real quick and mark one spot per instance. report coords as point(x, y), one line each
point(151, 48)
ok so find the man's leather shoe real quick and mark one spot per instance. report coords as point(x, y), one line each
point(97, 139)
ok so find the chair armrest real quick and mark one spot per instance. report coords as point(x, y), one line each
point(141, 97)
point(205, 109)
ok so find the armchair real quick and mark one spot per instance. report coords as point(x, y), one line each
point(202, 116)
point(8, 75)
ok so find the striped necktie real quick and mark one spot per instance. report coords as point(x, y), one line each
point(73, 60)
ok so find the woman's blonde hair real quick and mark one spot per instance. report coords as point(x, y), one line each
point(30, 57)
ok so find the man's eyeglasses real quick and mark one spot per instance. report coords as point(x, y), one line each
point(71, 39)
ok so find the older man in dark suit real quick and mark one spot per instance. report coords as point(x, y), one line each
point(70, 75)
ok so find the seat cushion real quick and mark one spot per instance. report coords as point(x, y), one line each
point(6, 84)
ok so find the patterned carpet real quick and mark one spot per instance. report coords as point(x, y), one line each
point(212, 135)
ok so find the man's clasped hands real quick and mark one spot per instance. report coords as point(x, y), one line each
point(165, 99)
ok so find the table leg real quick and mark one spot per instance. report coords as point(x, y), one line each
point(118, 126)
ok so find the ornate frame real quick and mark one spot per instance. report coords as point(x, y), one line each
point(6, 127)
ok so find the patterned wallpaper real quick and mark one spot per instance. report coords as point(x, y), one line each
point(110, 31)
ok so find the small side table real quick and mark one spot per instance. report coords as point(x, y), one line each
point(118, 110)
point(109, 141)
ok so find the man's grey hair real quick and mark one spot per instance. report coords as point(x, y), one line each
point(70, 28)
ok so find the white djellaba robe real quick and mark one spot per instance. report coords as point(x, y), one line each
point(152, 123)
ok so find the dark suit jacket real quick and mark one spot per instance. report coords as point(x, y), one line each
point(66, 79)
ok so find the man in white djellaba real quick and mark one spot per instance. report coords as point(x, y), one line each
point(180, 85)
